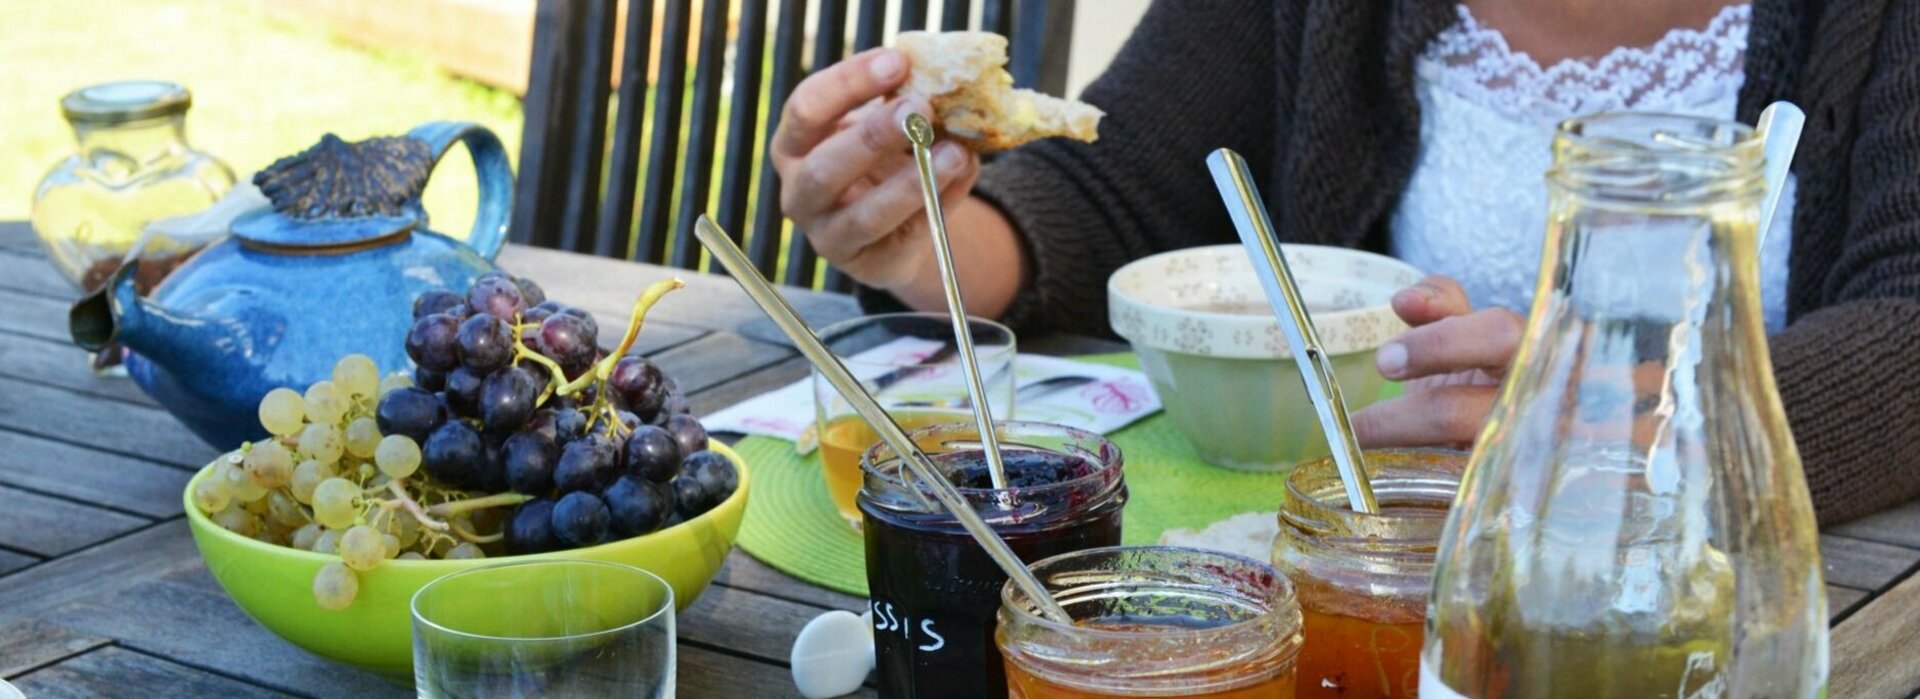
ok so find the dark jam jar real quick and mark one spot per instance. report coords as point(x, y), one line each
point(934, 590)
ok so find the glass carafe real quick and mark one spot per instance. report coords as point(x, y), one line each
point(131, 167)
point(1634, 521)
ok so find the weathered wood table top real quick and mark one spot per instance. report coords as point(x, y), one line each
point(103, 594)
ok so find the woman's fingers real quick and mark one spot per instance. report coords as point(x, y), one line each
point(1441, 416)
point(883, 208)
point(814, 110)
point(1484, 340)
point(1435, 297)
point(819, 180)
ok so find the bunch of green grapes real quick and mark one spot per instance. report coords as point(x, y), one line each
point(328, 481)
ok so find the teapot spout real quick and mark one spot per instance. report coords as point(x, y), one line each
point(117, 312)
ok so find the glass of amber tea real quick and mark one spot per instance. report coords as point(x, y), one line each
point(908, 362)
point(1363, 578)
point(1153, 621)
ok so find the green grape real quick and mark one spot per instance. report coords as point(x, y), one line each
point(268, 465)
point(282, 510)
point(324, 403)
point(394, 382)
point(270, 534)
point(466, 550)
point(327, 542)
point(335, 586)
point(363, 437)
point(410, 556)
point(283, 411)
point(241, 485)
point(335, 503)
point(398, 456)
point(306, 536)
point(237, 520)
point(306, 477)
point(392, 544)
point(357, 376)
point(210, 493)
point(362, 548)
point(322, 443)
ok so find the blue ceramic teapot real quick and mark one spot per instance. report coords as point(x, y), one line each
point(330, 270)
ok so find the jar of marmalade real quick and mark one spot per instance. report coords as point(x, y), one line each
point(1363, 579)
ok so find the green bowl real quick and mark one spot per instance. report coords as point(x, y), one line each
point(274, 584)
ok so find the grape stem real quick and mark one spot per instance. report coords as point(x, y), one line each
point(454, 507)
point(476, 538)
point(405, 501)
point(604, 368)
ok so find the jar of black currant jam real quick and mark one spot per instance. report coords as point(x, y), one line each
point(934, 590)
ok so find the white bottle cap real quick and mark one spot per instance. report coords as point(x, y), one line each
point(832, 655)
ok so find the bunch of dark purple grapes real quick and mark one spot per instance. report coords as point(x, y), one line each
point(513, 394)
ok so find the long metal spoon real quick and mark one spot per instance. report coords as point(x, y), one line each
point(783, 315)
point(1779, 131)
point(1316, 369)
point(920, 133)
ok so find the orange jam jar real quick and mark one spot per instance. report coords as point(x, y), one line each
point(1152, 621)
point(1363, 579)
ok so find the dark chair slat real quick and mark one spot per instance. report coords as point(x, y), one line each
point(954, 15)
point(868, 26)
point(1041, 44)
point(594, 54)
point(913, 15)
point(615, 235)
point(764, 245)
point(829, 47)
point(697, 174)
point(542, 155)
point(997, 16)
point(743, 119)
point(663, 149)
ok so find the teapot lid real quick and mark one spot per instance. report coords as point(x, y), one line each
point(340, 193)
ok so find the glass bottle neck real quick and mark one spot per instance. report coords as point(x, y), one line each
point(131, 144)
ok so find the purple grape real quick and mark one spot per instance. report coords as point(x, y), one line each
point(410, 411)
point(531, 528)
point(568, 341)
point(586, 465)
point(530, 292)
point(435, 301)
point(715, 474)
point(507, 398)
point(454, 454)
point(653, 454)
point(581, 519)
point(638, 506)
point(498, 296)
point(429, 379)
point(541, 311)
point(637, 385)
point(486, 343)
point(431, 342)
point(593, 326)
point(688, 432)
point(690, 497)
point(462, 391)
point(528, 459)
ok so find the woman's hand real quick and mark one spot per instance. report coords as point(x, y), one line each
point(1452, 362)
point(847, 175)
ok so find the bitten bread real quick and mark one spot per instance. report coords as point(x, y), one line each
point(963, 76)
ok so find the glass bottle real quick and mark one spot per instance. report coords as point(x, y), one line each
point(132, 166)
point(1634, 521)
point(1363, 578)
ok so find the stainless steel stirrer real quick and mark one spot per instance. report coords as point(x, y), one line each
point(1316, 369)
point(920, 132)
point(783, 315)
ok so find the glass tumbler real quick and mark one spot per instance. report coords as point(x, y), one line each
point(544, 628)
point(908, 362)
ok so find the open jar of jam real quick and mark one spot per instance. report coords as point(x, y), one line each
point(1363, 579)
point(1153, 621)
point(933, 590)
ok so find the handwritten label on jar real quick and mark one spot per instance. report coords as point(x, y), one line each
point(888, 619)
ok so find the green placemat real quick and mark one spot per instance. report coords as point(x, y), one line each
point(793, 526)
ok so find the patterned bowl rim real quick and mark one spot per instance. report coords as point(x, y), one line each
point(1134, 316)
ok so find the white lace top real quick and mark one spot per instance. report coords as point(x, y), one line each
point(1476, 206)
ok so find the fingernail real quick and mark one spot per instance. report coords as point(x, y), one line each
point(1391, 360)
point(900, 113)
point(947, 157)
point(886, 66)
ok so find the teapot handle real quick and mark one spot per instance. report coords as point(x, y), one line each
point(490, 167)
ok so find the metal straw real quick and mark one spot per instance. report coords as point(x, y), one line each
point(783, 315)
point(1779, 131)
point(1316, 369)
point(921, 134)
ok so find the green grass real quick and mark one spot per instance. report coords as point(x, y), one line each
point(261, 88)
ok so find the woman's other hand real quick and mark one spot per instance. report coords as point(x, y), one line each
point(1451, 363)
point(846, 171)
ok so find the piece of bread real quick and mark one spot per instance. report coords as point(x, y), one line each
point(963, 76)
point(1249, 534)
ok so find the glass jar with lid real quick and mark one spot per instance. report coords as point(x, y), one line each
point(131, 166)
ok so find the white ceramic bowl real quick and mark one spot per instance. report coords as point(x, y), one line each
point(1207, 340)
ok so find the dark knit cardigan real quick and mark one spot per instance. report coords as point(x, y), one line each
point(1318, 95)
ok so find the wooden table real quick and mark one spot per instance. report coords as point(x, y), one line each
point(102, 592)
